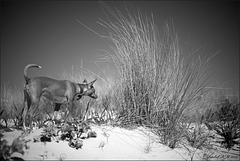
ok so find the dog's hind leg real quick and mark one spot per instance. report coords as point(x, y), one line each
point(30, 104)
point(33, 108)
point(26, 105)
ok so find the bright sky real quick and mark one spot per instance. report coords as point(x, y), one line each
point(47, 33)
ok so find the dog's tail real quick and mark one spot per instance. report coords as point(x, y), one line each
point(26, 68)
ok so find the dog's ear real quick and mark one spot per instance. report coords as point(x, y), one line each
point(91, 83)
point(84, 81)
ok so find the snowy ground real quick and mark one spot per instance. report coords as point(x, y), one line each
point(113, 143)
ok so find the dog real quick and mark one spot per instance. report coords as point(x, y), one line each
point(57, 91)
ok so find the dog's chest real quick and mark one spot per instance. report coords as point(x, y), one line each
point(57, 97)
point(60, 99)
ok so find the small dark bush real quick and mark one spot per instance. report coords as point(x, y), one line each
point(228, 123)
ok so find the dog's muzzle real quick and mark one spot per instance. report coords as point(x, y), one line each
point(94, 96)
point(90, 93)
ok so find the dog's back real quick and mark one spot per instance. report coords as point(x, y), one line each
point(37, 85)
point(49, 87)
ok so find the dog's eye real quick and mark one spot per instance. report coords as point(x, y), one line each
point(90, 87)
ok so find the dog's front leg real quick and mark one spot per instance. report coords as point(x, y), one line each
point(70, 108)
point(56, 110)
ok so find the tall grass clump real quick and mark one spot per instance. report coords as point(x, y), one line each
point(6, 101)
point(11, 105)
point(157, 82)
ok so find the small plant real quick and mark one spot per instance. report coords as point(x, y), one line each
point(148, 146)
point(63, 156)
point(197, 138)
point(228, 133)
point(45, 152)
point(7, 152)
point(4, 150)
point(227, 125)
point(107, 114)
point(170, 131)
point(196, 133)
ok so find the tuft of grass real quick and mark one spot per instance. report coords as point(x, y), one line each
point(11, 105)
point(6, 100)
point(157, 83)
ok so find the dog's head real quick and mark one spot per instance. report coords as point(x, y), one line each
point(87, 89)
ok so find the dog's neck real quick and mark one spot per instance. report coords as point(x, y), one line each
point(80, 88)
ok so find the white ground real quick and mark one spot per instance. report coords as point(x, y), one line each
point(137, 144)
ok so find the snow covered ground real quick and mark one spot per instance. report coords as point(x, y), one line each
point(113, 143)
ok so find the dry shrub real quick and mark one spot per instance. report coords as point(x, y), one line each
point(11, 104)
point(157, 83)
